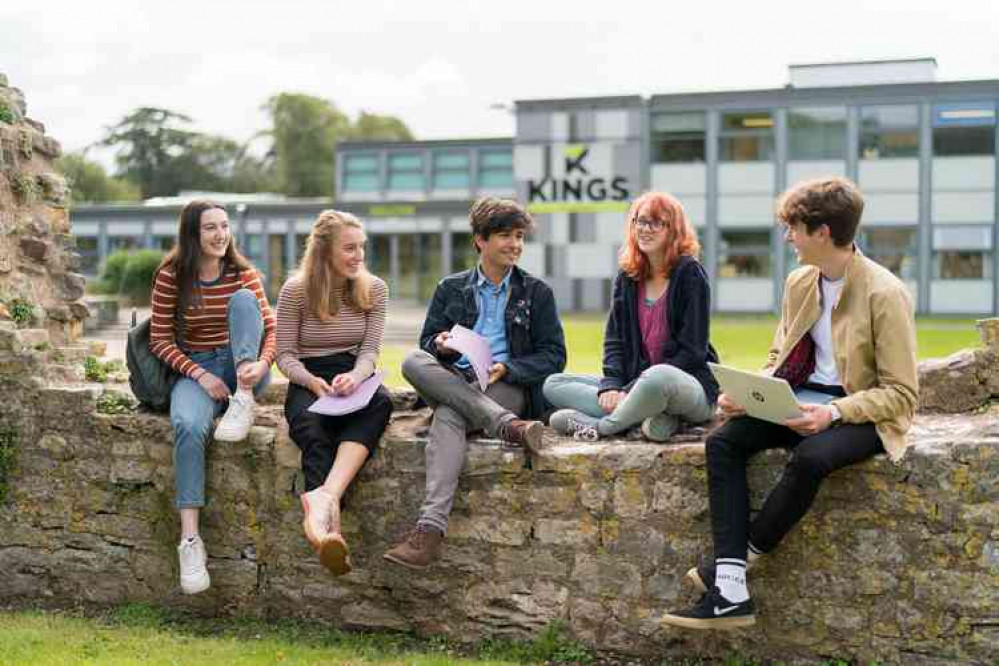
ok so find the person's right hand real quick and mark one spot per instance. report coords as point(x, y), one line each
point(319, 387)
point(440, 339)
point(608, 400)
point(214, 386)
point(728, 407)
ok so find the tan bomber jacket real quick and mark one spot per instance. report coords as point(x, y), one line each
point(874, 343)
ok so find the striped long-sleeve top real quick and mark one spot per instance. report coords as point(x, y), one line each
point(300, 334)
point(205, 326)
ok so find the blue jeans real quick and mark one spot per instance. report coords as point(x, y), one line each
point(193, 411)
point(660, 389)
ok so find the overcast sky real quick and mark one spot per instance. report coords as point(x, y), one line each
point(441, 65)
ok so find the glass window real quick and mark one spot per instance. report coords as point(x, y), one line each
point(452, 170)
point(894, 248)
point(744, 254)
point(496, 159)
point(360, 173)
point(817, 133)
point(747, 136)
point(123, 243)
point(678, 137)
point(355, 182)
point(962, 265)
point(86, 246)
point(361, 163)
point(962, 253)
point(164, 243)
point(405, 171)
point(889, 131)
point(254, 248)
point(496, 168)
point(964, 129)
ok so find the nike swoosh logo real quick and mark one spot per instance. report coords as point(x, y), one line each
point(723, 611)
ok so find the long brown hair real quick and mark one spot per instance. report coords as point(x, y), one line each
point(681, 239)
point(316, 271)
point(185, 257)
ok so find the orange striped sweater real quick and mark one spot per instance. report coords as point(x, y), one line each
point(300, 334)
point(207, 326)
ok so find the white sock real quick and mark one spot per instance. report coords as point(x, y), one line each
point(188, 539)
point(730, 578)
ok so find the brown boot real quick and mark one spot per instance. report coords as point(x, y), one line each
point(418, 549)
point(526, 433)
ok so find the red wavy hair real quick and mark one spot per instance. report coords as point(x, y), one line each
point(681, 239)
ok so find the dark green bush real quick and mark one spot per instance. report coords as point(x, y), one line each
point(130, 273)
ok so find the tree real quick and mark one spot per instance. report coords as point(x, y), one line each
point(304, 133)
point(91, 183)
point(220, 164)
point(375, 127)
point(147, 141)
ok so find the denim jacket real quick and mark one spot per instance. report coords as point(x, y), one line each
point(533, 329)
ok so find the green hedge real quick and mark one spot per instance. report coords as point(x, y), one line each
point(130, 273)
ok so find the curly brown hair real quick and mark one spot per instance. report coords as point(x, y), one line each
point(835, 202)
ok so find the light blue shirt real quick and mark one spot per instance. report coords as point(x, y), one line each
point(491, 323)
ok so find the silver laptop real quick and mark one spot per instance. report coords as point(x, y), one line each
point(763, 397)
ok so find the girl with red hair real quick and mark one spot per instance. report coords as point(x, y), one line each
point(656, 345)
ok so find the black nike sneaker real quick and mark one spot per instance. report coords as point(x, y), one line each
point(713, 611)
point(703, 576)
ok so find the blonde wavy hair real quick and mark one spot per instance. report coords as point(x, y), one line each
point(318, 275)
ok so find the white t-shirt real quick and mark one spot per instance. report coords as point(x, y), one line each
point(825, 363)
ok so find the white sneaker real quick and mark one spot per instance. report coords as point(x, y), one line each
point(318, 507)
point(193, 573)
point(235, 423)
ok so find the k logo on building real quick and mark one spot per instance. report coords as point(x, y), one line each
point(574, 178)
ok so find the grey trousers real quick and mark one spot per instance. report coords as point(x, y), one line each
point(459, 408)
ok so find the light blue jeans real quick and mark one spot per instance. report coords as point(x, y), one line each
point(660, 389)
point(193, 411)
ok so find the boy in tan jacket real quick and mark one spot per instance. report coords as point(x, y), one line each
point(846, 342)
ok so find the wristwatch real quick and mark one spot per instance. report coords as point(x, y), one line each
point(837, 417)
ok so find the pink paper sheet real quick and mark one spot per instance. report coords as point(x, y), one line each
point(337, 405)
point(476, 350)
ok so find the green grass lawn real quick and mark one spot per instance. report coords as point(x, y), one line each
point(740, 341)
point(137, 634)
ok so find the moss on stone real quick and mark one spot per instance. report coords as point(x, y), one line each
point(10, 438)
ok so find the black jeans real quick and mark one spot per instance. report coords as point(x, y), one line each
point(319, 435)
point(813, 458)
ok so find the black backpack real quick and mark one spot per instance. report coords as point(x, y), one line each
point(150, 378)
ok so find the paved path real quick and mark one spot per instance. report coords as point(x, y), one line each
point(402, 327)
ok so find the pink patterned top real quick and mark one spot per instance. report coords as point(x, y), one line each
point(653, 324)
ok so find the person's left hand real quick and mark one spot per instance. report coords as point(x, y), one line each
point(497, 371)
point(249, 374)
point(814, 419)
point(343, 384)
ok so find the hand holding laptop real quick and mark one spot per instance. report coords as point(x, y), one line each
point(729, 408)
point(814, 419)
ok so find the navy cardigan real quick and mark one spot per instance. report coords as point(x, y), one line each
point(687, 348)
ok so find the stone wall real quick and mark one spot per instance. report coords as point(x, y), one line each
point(38, 285)
point(896, 563)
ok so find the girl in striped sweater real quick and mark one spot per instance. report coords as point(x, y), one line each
point(212, 324)
point(331, 315)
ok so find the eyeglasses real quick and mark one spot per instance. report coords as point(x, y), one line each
point(648, 223)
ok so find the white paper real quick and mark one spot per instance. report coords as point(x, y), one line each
point(476, 351)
